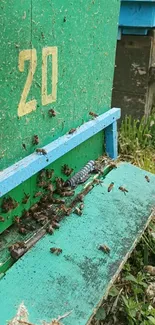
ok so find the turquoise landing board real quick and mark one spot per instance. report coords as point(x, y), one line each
point(78, 279)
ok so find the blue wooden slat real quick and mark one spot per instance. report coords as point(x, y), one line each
point(139, 14)
point(27, 167)
point(111, 140)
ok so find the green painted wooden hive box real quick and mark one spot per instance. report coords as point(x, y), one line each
point(69, 216)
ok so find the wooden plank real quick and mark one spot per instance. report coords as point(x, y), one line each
point(78, 279)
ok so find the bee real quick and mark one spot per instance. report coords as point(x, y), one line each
point(37, 194)
point(113, 165)
point(17, 220)
point(26, 198)
point(49, 173)
point(35, 140)
point(52, 112)
point(80, 197)
point(44, 199)
point(66, 170)
point(34, 208)
point(17, 245)
point(42, 184)
point(41, 218)
point(41, 151)
point(104, 249)
point(57, 201)
point(110, 187)
point(8, 204)
point(50, 188)
point(72, 131)
point(55, 250)
point(30, 227)
point(97, 181)
point(2, 219)
point(93, 114)
point(50, 230)
point(42, 174)
point(22, 230)
point(25, 214)
point(123, 189)
point(81, 206)
point(147, 179)
point(13, 247)
point(24, 146)
point(67, 211)
point(78, 211)
point(21, 244)
point(59, 182)
point(97, 168)
point(67, 193)
point(55, 225)
point(87, 189)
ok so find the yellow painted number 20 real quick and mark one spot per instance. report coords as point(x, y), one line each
point(25, 107)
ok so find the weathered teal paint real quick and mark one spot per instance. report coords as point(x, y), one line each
point(77, 280)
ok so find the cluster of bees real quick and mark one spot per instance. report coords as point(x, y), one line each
point(56, 201)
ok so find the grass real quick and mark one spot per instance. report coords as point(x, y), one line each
point(137, 142)
point(131, 300)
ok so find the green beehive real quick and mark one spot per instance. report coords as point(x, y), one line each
point(57, 64)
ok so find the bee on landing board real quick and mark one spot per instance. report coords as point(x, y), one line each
point(147, 179)
point(110, 187)
point(56, 250)
point(123, 189)
point(104, 249)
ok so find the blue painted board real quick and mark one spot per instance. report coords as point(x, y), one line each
point(139, 14)
point(78, 279)
point(27, 167)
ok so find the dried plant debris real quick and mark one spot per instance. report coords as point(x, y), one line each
point(22, 318)
point(150, 269)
